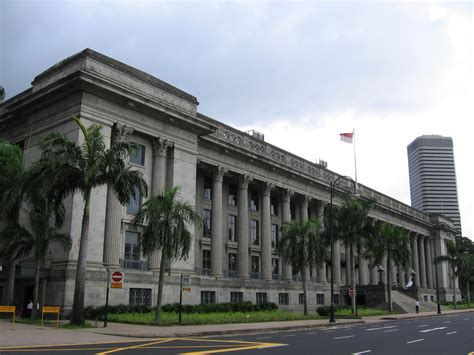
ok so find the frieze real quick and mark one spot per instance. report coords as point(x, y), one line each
point(278, 156)
point(234, 138)
point(296, 164)
point(257, 147)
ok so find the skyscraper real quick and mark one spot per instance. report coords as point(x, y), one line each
point(433, 176)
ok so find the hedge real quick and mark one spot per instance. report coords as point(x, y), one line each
point(325, 311)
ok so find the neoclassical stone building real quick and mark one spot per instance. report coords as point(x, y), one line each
point(244, 187)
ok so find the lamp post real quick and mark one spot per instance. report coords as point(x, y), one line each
point(380, 269)
point(437, 285)
point(332, 318)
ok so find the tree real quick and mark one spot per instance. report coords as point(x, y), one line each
point(352, 226)
point(302, 245)
point(80, 168)
point(466, 273)
point(453, 256)
point(42, 235)
point(163, 222)
point(392, 242)
point(12, 175)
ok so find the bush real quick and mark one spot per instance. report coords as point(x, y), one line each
point(99, 312)
point(325, 311)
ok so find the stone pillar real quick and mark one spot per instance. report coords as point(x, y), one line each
point(158, 184)
point(266, 233)
point(216, 223)
point(394, 272)
point(322, 269)
point(421, 253)
point(243, 227)
point(415, 262)
point(336, 259)
point(363, 269)
point(113, 214)
point(402, 279)
point(348, 265)
point(385, 267)
point(304, 217)
point(374, 277)
point(429, 263)
point(286, 217)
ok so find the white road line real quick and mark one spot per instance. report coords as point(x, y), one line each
point(466, 318)
point(362, 352)
point(432, 329)
point(347, 336)
point(265, 338)
point(423, 325)
point(311, 333)
point(391, 326)
point(414, 341)
point(451, 333)
point(391, 330)
point(448, 321)
point(289, 335)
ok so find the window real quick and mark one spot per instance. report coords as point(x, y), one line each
point(137, 156)
point(275, 266)
point(283, 299)
point(336, 298)
point(274, 235)
point(262, 297)
point(134, 202)
point(292, 211)
point(274, 206)
point(139, 296)
point(132, 246)
point(254, 237)
point(253, 201)
point(207, 188)
point(232, 262)
point(208, 297)
point(236, 297)
point(255, 274)
point(206, 262)
point(301, 298)
point(206, 227)
point(232, 222)
point(320, 298)
point(425, 298)
point(232, 195)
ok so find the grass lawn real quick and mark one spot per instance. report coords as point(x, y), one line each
point(363, 312)
point(459, 305)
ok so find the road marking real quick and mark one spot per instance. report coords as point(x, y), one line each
point(264, 338)
point(136, 346)
point(432, 329)
point(423, 325)
point(362, 352)
point(311, 333)
point(347, 336)
point(466, 318)
point(448, 321)
point(414, 341)
point(451, 333)
point(391, 326)
point(391, 330)
point(288, 335)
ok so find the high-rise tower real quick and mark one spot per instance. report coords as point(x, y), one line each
point(433, 176)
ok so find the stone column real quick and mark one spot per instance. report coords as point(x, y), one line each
point(266, 233)
point(243, 227)
point(322, 269)
point(216, 223)
point(286, 217)
point(158, 184)
point(401, 274)
point(394, 272)
point(421, 252)
point(336, 259)
point(385, 267)
point(363, 269)
point(348, 265)
point(429, 263)
point(113, 214)
point(304, 217)
point(374, 277)
point(415, 262)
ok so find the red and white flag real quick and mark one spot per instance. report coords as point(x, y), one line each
point(347, 137)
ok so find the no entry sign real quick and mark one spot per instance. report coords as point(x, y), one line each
point(117, 279)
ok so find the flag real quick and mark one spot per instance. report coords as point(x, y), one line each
point(346, 137)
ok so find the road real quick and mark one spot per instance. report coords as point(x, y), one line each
point(446, 334)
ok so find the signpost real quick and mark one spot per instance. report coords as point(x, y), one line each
point(185, 281)
point(116, 281)
point(56, 310)
point(351, 292)
point(9, 309)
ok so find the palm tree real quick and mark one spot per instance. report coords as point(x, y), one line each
point(302, 245)
point(80, 168)
point(453, 256)
point(163, 222)
point(391, 242)
point(12, 174)
point(352, 226)
point(466, 273)
point(42, 235)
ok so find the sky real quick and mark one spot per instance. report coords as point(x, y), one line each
point(299, 72)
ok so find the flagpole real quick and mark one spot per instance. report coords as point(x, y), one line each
point(355, 161)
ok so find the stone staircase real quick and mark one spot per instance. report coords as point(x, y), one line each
point(407, 303)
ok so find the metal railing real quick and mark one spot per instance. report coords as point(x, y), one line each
point(134, 264)
point(231, 274)
point(203, 271)
point(255, 275)
point(277, 277)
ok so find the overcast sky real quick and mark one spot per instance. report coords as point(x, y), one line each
point(300, 72)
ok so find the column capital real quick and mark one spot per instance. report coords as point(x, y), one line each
point(267, 188)
point(219, 173)
point(287, 194)
point(160, 146)
point(305, 199)
point(120, 133)
point(244, 181)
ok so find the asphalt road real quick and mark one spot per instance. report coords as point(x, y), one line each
point(450, 334)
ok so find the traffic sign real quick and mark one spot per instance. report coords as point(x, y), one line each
point(117, 279)
point(351, 292)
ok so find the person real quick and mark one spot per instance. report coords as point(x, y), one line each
point(29, 308)
point(417, 306)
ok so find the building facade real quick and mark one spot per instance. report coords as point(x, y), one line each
point(433, 187)
point(244, 187)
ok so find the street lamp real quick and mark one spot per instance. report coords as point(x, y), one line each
point(380, 269)
point(332, 318)
point(437, 285)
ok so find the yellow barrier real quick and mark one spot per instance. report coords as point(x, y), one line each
point(56, 310)
point(9, 309)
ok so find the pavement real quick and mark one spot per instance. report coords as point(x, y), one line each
point(26, 334)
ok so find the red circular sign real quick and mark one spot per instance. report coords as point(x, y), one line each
point(117, 276)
